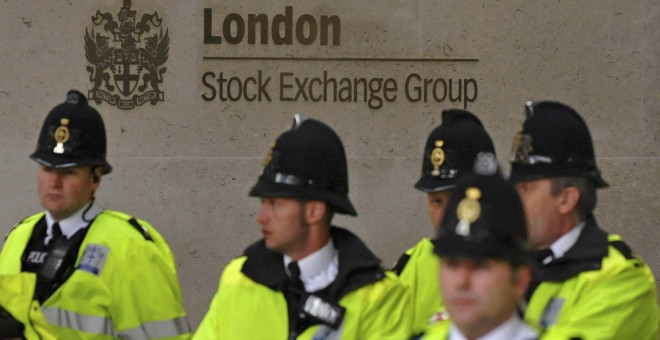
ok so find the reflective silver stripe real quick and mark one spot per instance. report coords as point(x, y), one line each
point(157, 329)
point(103, 325)
point(85, 323)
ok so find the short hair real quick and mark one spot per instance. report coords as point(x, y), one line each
point(329, 209)
point(330, 213)
point(587, 202)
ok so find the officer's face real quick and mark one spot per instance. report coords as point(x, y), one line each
point(284, 227)
point(64, 191)
point(436, 204)
point(542, 210)
point(481, 294)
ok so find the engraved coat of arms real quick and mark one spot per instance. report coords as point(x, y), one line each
point(127, 59)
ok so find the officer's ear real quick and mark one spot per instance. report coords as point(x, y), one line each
point(96, 174)
point(522, 277)
point(315, 211)
point(569, 198)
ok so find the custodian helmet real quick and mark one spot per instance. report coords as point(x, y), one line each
point(554, 142)
point(307, 162)
point(451, 149)
point(73, 134)
point(485, 217)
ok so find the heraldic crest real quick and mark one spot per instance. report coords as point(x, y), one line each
point(127, 60)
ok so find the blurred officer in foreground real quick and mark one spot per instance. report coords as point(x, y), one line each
point(76, 271)
point(588, 284)
point(450, 151)
point(306, 279)
point(485, 259)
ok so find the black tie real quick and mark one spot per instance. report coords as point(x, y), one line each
point(56, 232)
point(298, 322)
point(543, 257)
point(294, 269)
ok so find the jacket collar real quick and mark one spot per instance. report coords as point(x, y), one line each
point(358, 266)
point(586, 254)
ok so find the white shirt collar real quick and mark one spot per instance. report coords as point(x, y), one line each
point(73, 223)
point(319, 269)
point(512, 329)
point(564, 243)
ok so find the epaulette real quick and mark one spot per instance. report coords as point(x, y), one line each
point(400, 264)
point(26, 219)
point(132, 221)
point(623, 248)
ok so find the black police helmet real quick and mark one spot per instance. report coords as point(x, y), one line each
point(554, 142)
point(307, 162)
point(451, 149)
point(485, 217)
point(73, 134)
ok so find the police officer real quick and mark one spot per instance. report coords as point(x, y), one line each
point(306, 279)
point(588, 284)
point(77, 271)
point(450, 151)
point(485, 260)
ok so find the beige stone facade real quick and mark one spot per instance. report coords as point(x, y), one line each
point(187, 162)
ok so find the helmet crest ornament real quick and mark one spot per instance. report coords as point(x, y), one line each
point(437, 157)
point(61, 136)
point(269, 155)
point(468, 211)
point(521, 148)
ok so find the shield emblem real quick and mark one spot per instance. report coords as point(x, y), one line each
point(126, 68)
point(135, 62)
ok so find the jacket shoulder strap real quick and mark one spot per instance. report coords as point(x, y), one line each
point(132, 221)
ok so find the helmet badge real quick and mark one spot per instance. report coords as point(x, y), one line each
point(61, 136)
point(468, 211)
point(269, 156)
point(437, 157)
point(522, 146)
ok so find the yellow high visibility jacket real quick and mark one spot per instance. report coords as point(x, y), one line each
point(16, 292)
point(250, 303)
point(419, 269)
point(124, 285)
point(597, 290)
point(438, 330)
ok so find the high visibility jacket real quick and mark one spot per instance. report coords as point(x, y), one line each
point(250, 303)
point(419, 269)
point(597, 290)
point(124, 285)
point(16, 292)
point(438, 330)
